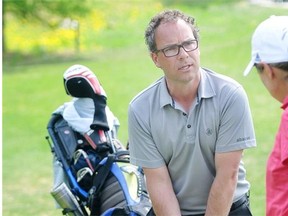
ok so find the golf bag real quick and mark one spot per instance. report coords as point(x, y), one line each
point(92, 173)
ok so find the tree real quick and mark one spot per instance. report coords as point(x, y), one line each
point(45, 12)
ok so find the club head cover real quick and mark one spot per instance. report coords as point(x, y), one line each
point(81, 82)
point(100, 118)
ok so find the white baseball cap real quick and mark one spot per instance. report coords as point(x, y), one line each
point(269, 42)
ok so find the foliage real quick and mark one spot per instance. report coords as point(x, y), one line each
point(95, 32)
point(45, 11)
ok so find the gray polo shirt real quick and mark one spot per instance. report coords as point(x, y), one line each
point(162, 133)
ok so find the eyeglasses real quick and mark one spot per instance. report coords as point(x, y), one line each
point(174, 50)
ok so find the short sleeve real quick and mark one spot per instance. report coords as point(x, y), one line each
point(143, 151)
point(236, 130)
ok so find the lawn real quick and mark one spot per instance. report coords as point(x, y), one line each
point(33, 88)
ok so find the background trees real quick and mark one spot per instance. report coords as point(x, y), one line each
point(42, 12)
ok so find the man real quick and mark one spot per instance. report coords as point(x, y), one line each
point(188, 129)
point(270, 57)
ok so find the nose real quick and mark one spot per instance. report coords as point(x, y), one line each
point(182, 52)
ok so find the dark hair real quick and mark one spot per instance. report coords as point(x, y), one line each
point(165, 17)
point(280, 65)
point(259, 67)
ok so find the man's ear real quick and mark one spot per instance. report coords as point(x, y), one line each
point(268, 70)
point(154, 57)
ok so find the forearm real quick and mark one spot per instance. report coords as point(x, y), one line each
point(164, 202)
point(220, 198)
point(161, 192)
point(221, 193)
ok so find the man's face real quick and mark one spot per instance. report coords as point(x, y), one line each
point(184, 66)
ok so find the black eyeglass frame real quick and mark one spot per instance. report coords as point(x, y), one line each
point(178, 46)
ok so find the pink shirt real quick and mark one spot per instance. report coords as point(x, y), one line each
point(277, 170)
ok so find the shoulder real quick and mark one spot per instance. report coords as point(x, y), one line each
point(145, 95)
point(220, 79)
point(221, 84)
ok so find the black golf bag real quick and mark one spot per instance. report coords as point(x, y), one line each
point(92, 173)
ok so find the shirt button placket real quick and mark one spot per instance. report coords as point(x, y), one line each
point(188, 125)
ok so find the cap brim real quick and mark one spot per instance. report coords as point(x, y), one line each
point(249, 68)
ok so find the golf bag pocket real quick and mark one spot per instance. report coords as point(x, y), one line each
point(67, 138)
point(66, 200)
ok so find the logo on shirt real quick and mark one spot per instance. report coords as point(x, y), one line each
point(243, 139)
point(209, 131)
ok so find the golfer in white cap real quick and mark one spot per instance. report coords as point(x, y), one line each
point(270, 57)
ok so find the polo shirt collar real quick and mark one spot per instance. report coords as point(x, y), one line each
point(205, 89)
point(285, 103)
point(165, 97)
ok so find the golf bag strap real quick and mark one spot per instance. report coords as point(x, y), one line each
point(99, 178)
point(100, 175)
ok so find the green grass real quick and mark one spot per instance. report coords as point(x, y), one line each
point(31, 91)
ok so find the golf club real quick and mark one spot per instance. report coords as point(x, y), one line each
point(77, 155)
point(83, 172)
